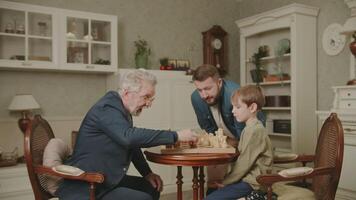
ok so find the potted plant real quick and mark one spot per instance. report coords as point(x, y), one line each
point(164, 63)
point(259, 73)
point(142, 53)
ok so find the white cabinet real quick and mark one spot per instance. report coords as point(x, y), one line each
point(38, 37)
point(15, 184)
point(294, 24)
point(345, 98)
point(28, 37)
point(171, 109)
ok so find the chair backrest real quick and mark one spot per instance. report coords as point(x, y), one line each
point(37, 135)
point(329, 153)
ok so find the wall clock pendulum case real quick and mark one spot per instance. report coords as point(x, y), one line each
point(215, 48)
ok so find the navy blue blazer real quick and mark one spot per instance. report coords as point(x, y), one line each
point(107, 142)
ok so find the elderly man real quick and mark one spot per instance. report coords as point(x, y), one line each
point(212, 105)
point(107, 142)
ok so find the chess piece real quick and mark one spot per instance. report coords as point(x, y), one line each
point(214, 141)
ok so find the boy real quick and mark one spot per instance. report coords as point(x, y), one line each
point(255, 147)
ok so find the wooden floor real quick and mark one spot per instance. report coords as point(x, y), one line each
point(187, 195)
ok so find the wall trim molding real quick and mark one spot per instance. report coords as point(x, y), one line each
point(52, 118)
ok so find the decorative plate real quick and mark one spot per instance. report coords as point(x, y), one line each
point(333, 42)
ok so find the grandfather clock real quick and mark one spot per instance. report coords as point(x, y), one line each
point(215, 48)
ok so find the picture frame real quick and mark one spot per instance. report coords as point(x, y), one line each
point(172, 63)
point(183, 63)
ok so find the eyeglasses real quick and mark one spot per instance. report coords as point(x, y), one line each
point(148, 98)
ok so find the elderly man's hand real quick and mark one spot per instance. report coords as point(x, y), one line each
point(187, 135)
point(155, 181)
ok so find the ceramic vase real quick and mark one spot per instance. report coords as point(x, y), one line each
point(141, 60)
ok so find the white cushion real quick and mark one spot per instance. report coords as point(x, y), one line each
point(285, 156)
point(54, 154)
point(68, 170)
point(289, 192)
point(298, 171)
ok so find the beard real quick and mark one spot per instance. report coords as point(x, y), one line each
point(211, 101)
point(136, 112)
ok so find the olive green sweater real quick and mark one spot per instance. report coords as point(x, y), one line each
point(256, 156)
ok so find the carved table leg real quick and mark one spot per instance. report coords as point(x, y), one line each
point(195, 183)
point(179, 183)
point(201, 183)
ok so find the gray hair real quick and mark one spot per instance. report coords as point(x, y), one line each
point(132, 80)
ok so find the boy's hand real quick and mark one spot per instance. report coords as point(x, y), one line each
point(216, 184)
point(232, 142)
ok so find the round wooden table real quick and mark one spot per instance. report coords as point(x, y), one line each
point(196, 161)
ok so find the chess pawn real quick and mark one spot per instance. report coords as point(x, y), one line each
point(223, 142)
point(192, 144)
point(219, 132)
point(176, 145)
point(204, 141)
point(169, 146)
point(214, 141)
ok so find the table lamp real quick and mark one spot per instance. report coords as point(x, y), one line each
point(24, 103)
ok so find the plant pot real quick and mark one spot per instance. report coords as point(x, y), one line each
point(353, 48)
point(257, 76)
point(141, 61)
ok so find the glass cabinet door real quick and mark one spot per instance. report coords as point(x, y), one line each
point(39, 37)
point(26, 37)
point(12, 34)
point(77, 40)
point(101, 45)
point(88, 42)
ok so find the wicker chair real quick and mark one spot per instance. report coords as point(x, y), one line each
point(327, 163)
point(37, 135)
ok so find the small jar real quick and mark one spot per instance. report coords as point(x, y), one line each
point(9, 28)
point(20, 29)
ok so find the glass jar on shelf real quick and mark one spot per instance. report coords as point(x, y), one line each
point(9, 28)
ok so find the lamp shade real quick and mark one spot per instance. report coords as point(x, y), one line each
point(22, 102)
point(349, 27)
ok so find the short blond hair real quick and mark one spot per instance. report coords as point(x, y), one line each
point(249, 94)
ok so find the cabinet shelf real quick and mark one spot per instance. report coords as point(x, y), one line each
point(276, 108)
point(100, 42)
point(270, 83)
point(269, 58)
point(12, 34)
point(279, 135)
point(40, 37)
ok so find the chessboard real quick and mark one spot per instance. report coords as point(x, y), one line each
point(207, 143)
point(165, 150)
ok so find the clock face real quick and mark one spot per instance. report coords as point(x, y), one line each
point(333, 42)
point(216, 43)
